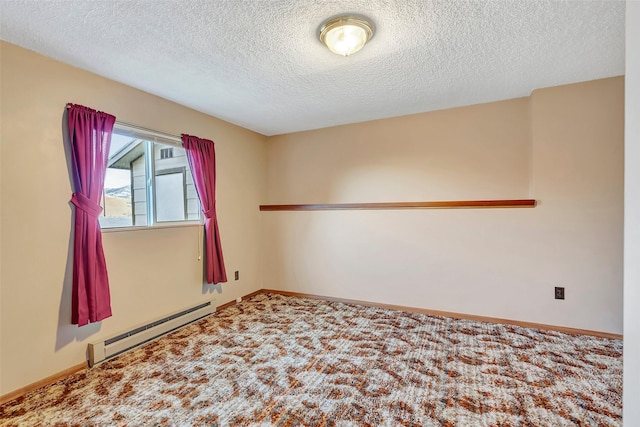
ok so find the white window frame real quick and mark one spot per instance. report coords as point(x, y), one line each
point(150, 137)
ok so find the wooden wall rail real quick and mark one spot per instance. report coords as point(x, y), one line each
point(456, 204)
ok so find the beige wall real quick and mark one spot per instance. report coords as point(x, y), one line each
point(453, 154)
point(152, 272)
point(631, 415)
point(562, 146)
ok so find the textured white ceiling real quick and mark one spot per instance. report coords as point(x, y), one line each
point(259, 63)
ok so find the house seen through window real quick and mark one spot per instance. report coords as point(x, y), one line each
point(148, 181)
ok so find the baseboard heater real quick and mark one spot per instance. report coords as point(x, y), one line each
point(104, 350)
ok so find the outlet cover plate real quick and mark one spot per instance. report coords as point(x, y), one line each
point(559, 292)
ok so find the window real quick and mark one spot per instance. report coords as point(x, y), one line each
point(148, 180)
point(166, 153)
point(171, 200)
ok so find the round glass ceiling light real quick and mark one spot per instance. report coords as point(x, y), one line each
point(345, 35)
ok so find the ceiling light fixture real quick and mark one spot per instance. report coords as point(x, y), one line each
point(345, 35)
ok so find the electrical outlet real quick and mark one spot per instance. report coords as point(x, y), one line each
point(559, 292)
point(237, 275)
point(239, 299)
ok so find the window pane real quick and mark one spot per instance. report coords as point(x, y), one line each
point(170, 200)
point(176, 197)
point(124, 198)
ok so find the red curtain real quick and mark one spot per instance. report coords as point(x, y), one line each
point(90, 137)
point(202, 160)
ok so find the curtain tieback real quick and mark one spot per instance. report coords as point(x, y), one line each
point(86, 205)
point(209, 213)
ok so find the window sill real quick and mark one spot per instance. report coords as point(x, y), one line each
point(153, 227)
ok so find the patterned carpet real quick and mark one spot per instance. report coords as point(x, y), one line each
point(285, 361)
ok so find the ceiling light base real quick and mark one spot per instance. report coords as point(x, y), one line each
point(347, 34)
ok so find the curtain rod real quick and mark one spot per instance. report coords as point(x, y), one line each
point(131, 125)
point(147, 130)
